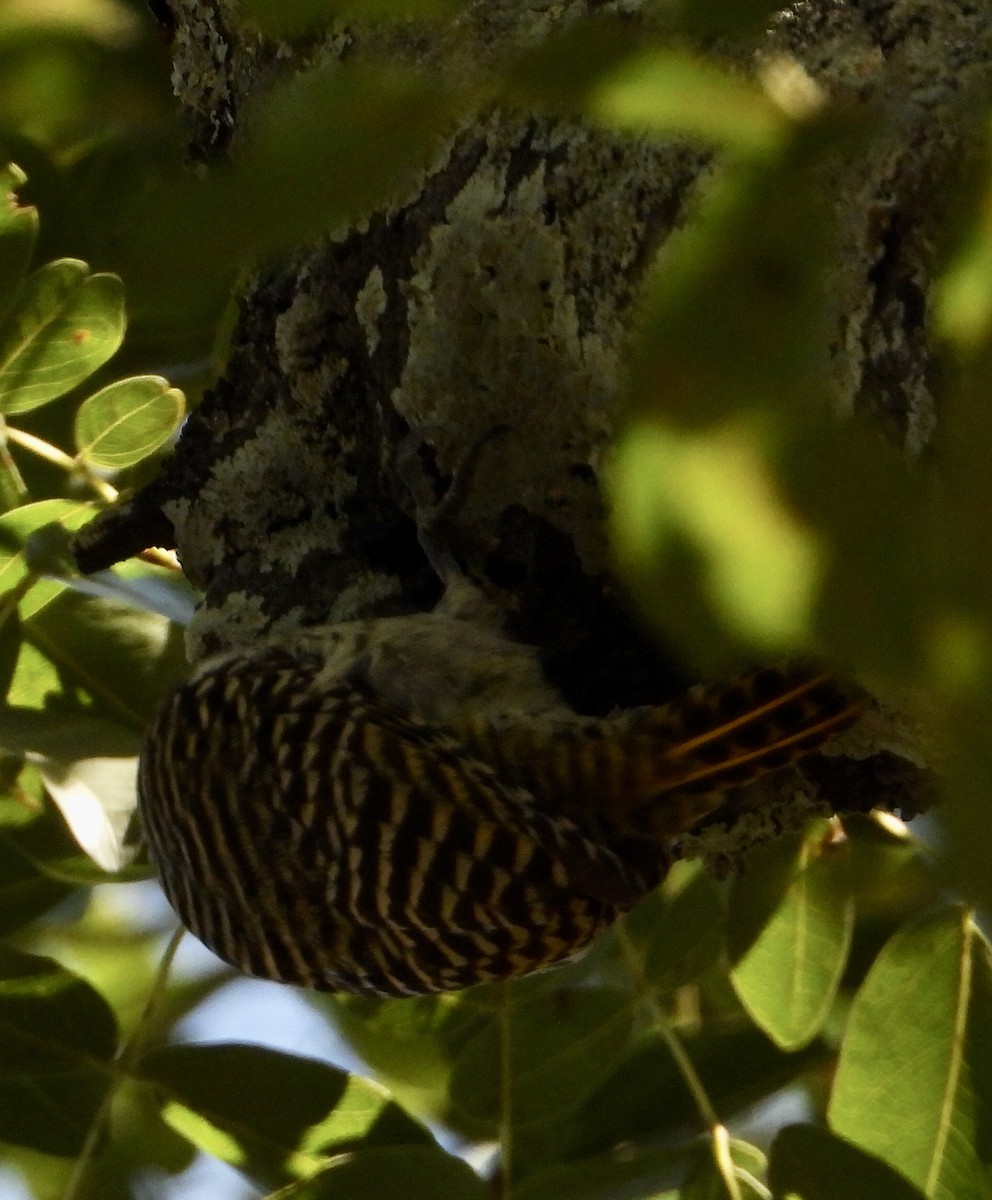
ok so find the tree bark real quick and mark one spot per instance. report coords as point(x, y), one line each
point(471, 335)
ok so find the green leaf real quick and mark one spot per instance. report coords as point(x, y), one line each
point(756, 895)
point(382, 125)
point(788, 978)
point(10, 651)
point(65, 323)
point(48, 551)
point(16, 527)
point(813, 1164)
point(51, 1021)
point(66, 736)
point(708, 501)
point(963, 308)
point(127, 421)
point(661, 90)
point(541, 1057)
point(77, 870)
point(18, 234)
point(97, 798)
point(732, 330)
point(30, 833)
point(125, 659)
point(914, 1080)
point(275, 1116)
point(646, 1098)
point(410, 1172)
point(687, 938)
point(633, 1174)
point(52, 1113)
point(410, 1044)
point(89, 768)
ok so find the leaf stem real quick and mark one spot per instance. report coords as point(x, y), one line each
point(59, 458)
point(123, 1063)
point(506, 1089)
point(719, 1136)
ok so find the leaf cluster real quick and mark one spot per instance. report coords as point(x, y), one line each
point(830, 979)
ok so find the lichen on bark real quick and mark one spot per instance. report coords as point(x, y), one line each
point(496, 295)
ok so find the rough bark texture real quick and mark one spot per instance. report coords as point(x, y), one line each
point(367, 371)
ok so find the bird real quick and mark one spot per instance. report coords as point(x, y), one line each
point(402, 806)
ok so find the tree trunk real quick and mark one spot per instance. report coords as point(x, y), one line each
point(459, 352)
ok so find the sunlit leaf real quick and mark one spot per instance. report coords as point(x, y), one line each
point(16, 527)
point(127, 421)
point(963, 310)
point(788, 977)
point(411, 1045)
point(669, 91)
point(65, 324)
point(914, 1081)
point(97, 798)
point(711, 494)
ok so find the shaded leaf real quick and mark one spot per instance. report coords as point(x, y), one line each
point(48, 551)
point(914, 1080)
point(18, 234)
point(64, 735)
point(555, 1051)
point(125, 659)
point(50, 1019)
point(52, 1113)
point(29, 835)
point(65, 324)
point(623, 1175)
point(756, 895)
point(413, 1172)
point(381, 126)
point(687, 938)
point(78, 870)
point(275, 1116)
point(646, 1096)
point(411, 1044)
point(814, 1164)
point(127, 421)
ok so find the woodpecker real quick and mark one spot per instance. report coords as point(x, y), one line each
point(401, 806)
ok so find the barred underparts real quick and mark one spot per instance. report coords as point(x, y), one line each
point(403, 806)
